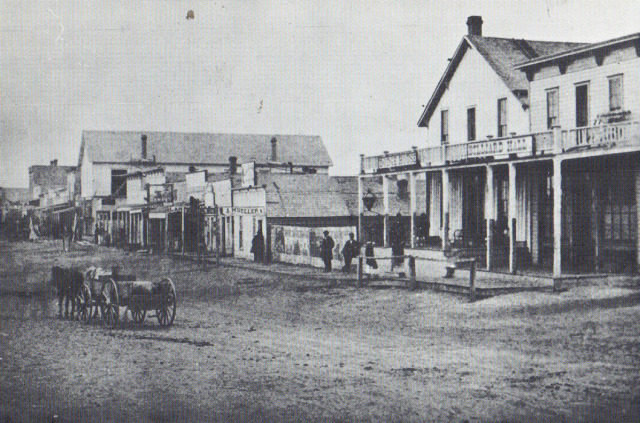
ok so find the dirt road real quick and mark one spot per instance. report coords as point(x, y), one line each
point(250, 347)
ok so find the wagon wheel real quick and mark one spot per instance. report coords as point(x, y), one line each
point(111, 304)
point(166, 310)
point(83, 304)
point(138, 314)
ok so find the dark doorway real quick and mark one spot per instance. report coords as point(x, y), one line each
point(473, 221)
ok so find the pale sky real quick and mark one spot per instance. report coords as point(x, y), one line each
point(357, 73)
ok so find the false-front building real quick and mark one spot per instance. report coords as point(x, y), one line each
point(531, 159)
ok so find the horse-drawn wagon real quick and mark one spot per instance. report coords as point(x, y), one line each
point(106, 291)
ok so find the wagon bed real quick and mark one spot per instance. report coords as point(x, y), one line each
point(106, 293)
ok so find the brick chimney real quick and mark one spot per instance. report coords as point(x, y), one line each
point(143, 141)
point(474, 23)
point(274, 149)
point(54, 162)
point(233, 165)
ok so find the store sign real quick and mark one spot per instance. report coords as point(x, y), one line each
point(397, 160)
point(253, 211)
point(500, 147)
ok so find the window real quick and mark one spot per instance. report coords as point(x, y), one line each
point(502, 117)
point(471, 124)
point(552, 108)
point(118, 183)
point(615, 93)
point(444, 126)
point(582, 105)
point(619, 207)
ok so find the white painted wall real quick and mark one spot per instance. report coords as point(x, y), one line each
point(620, 61)
point(475, 83)
point(255, 197)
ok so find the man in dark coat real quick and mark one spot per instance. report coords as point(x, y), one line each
point(326, 250)
point(257, 247)
point(350, 250)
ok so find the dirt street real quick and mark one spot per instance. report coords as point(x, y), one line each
point(252, 347)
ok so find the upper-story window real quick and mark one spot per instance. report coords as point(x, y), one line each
point(615, 93)
point(118, 182)
point(471, 124)
point(502, 117)
point(444, 126)
point(582, 105)
point(553, 108)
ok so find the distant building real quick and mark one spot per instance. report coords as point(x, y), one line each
point(51, 184)
point(291, 211)
point(107, 157)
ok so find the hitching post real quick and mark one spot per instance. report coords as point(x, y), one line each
point(472, 281)
point(360, 271)
point(412, 273)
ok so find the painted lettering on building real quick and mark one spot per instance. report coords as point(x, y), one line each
point(500, 147)
point(253, 211)
point(397, 160)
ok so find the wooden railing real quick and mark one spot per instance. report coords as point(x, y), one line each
point(549, 142)
point(620, 134)
point(431, 156)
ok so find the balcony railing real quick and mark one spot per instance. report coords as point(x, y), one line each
point(618, 134)
point(542, 143)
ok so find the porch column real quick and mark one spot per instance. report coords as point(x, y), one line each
point(412, 206)
point(512, 217)
point(445, 209)
point(385, 198)
point(490, 213)
point(360, 209)
point(557, 217)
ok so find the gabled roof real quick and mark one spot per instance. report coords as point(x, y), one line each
point(302, 195)
point(201, 148)
point(502, 54)
point(581, 50)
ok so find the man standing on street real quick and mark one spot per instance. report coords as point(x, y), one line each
point(350, 250)
point(327, 250)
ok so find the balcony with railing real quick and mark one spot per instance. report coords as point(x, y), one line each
point(613, 135)
point(623, 134)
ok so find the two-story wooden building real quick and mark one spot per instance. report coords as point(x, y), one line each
point(530, 156)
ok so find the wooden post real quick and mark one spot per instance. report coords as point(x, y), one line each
point(445, 209)
point(412, 206)
point(512, 217)
point(491, 223)
point(412, 274)
point(360, 271)
point(385, 191)
point(513, 260)
point(183, 248)
point(557, 218)
point(472, 281)
point(490, 214)
point(360, 205)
